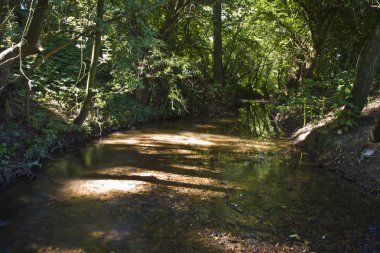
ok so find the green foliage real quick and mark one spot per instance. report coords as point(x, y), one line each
point(4, 154)
point(264, 44)
point(163, 50)
point(344, 81)
point(120, 110)
point(47, 129)
point(346, 119)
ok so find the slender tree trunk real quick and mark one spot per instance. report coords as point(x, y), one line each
point(96, 51)
point(367, 65)
point(375, 134)
point(28, 89)
point(218, 45)
point(3, 15)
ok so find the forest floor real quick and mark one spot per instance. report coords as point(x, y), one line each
point(348, 153)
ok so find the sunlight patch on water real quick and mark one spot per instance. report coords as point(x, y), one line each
point(124, 141)
point(158, 149)
point(188, 138)
point(112, 235)
point(151, 140)
point(195, 136)
point(57, 250)
point(180, 139)
point(192, 167)
point(201, 193)
point(137, 180)
point(190, 185)
point(104, 188)
point(205, 126)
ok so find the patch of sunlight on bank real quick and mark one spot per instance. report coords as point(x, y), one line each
point(103, 188)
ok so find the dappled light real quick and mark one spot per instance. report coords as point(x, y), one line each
point(163, 153)
point(57, 250)
point(185, 139)
point(162, 187)
point(105, 188)
point(191, 138)
point(189, 126)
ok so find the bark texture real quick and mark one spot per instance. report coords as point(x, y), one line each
point(218, 45)
point(375, 134)
point(367, 65)
point(27, 46)
point(96, 52)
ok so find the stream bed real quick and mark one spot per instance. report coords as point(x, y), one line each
point(186, 186)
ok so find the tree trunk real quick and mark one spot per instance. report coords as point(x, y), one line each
point(313, 62)
point(96, 51)
point(27, 46)
point(218, 45)
point(375, 134)
point(367, 65)
point(28, 89)
point(3, 14)
point(174, 9)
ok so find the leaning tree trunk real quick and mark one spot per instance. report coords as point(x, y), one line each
point(218, 46)
point(27, 46)
point(367, 65)
point(96, 51)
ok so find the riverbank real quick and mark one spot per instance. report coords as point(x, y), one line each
point(24, 147)
point(49, 132)
point(346, 152)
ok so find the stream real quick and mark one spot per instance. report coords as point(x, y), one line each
point(186, 186)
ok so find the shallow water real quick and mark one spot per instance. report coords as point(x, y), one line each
point(184, 186)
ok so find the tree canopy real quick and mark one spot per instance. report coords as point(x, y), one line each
point(107, 61)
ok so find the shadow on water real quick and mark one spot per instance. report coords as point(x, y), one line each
point(182, 186)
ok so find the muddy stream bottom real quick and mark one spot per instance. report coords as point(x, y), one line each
point(184, 186)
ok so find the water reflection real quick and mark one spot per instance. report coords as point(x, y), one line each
point(255, 121)
point(186, 187)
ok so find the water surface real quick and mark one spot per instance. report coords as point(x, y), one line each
point(185, 186)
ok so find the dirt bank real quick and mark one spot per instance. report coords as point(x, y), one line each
point(346, 152)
